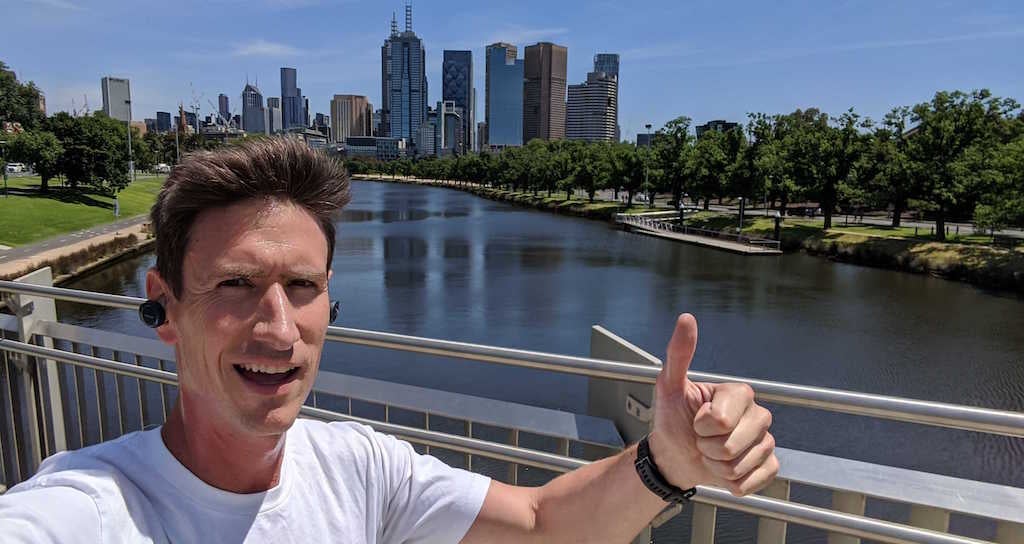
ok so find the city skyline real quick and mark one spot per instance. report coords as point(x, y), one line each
point(702, 61)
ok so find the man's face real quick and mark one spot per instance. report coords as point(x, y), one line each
point(251, 320)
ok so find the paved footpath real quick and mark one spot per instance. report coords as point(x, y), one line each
point(20, 258)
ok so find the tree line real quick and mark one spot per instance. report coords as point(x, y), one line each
point(958, 156)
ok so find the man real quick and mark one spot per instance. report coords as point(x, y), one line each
point(245, 238)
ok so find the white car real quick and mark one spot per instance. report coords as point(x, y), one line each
point(15, 167)
point(162, 168)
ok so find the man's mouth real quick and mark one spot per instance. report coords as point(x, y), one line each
point(266, 375)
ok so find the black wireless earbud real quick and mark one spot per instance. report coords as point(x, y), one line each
point(152, 313)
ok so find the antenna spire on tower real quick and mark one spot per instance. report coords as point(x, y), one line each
point(394, 25)
point(408, 16)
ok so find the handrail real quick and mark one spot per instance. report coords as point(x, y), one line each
point(923, 412)
point(829, 520)
point(665, 224)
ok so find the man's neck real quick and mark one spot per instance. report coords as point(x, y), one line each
point(226, 460)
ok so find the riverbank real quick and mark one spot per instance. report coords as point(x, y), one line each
point(84, 257)
point(982, 265)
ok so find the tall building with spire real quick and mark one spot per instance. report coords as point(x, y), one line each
point(253, 120)
point(403, 82)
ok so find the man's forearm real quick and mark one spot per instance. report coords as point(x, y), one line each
point(601, 502)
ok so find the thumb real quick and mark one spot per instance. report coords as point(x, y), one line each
point(680, 352)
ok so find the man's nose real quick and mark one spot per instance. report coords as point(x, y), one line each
point(276, 326)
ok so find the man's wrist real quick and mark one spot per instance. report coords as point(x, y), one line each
point(654, 480)
point(669, 462)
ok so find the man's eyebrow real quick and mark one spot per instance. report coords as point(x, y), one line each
point(237, 270)
point(251, 272)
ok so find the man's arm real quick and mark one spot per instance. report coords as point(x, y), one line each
point(703, 433)
point(48, 514)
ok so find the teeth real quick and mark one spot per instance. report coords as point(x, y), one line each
point(267, 369)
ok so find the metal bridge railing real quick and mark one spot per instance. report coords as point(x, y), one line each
point(669, 225)
point(34, 365)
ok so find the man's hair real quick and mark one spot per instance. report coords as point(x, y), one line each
point(283, 168)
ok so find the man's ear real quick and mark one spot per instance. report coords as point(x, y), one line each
point(157, 289)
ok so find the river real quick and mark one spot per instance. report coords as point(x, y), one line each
point(442, 263)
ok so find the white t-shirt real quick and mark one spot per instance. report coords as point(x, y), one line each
point(340, 482)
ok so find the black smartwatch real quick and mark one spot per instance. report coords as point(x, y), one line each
point(652, 478)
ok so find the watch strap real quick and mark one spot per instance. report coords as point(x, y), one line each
point(654, 480)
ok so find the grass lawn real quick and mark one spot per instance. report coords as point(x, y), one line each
point(27, 216)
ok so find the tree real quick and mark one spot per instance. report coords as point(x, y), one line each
point(805, 152)
point(40, 149)
point(95, 150)
point(672, 145)
point(844, 144)
point(883, 171)
point(1003, 203)
point(706, 166)
point(19, 103)
point(947, 126)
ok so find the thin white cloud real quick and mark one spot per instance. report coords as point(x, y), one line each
point(60, 4)
point(780, 55)
point(263, 48)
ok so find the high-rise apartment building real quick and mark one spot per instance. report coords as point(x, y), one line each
point(293, 111)
point(351, 115)
point(403, 82)
point(591, 109)
point(117, 98)
point(544, 84)
point(503, 101)
point(457, 87)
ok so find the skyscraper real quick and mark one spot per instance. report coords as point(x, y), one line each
point(293, 114)
point(351, 115)
point(163, 121)
point(403, 82)
point(223, 109)
point(457, 87)
point(252, 110)
point(609, 64)
point(544, 92)
point(117, 98)
point(591, 108)
point(275, 119)
point(503, 100)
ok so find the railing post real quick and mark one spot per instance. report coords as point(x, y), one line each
point(851, 503)
point(927, 517)
point(703, 530)
point(29, 311)
point(770, 530)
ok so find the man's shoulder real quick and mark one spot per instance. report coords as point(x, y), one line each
point(98, 465)
point(88, 488)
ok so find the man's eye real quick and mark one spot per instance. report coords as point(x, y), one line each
point(235, 282)
point(304, 283)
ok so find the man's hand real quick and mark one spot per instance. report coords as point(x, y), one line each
point(708, 434)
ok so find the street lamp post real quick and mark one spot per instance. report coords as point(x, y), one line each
point(646, 185)
point(131, 162)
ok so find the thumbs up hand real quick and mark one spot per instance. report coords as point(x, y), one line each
point(706, 433)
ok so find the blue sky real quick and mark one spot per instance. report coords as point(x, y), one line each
point(704, 59)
